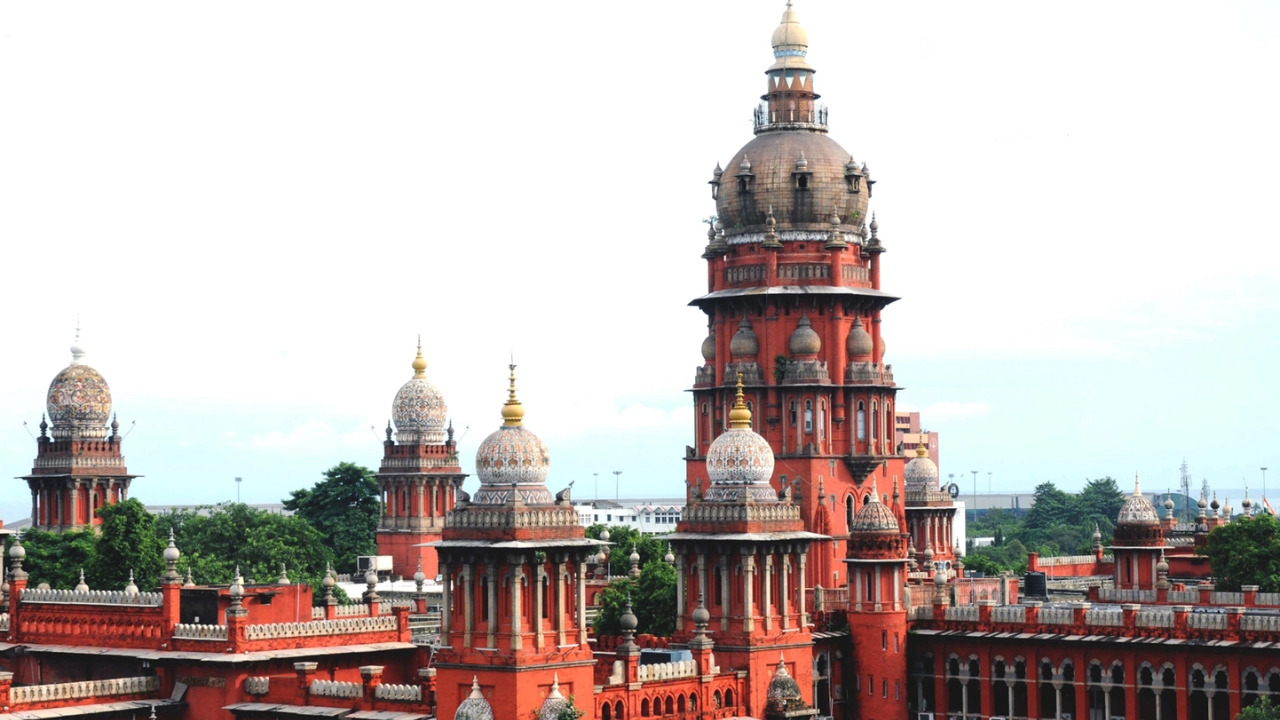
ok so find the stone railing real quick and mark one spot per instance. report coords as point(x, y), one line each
point(709, 511)
point(4, 622)
point(403, 693)
point(1267, 599)
point(259, 685)
point(92, 597)
point(1220, 597)
point(963, 613)
point(865, 372)
point(317, 613)
point(1121, 595)
point(192, 631)
point(335, 688)
point(1106, 618)
point(1055, 616)
point(1154, 617)
point(345, 611)
point(923, 612)
point(1009, 614)
point(1056, 560)
point(1260, 622)
point(87, 689)
point(1184, 597)
point(658, 672)
point(829, 599)
point(1207, 621)
point(268, 631)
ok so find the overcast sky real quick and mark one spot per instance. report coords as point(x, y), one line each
point(254, 208)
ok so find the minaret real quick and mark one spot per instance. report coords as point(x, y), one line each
point(1139, 542)
point(793, 302)
point(418, 476)
point(79, 465)
point(513, 559)
point(741, 548)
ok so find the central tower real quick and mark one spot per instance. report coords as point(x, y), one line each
point(793, 303)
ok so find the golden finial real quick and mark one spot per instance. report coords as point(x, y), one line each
point(922, 447)
point(512, 410)
point(740, 415)
point(419, 363)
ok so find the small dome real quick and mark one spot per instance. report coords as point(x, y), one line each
point(475, 707)
point(804, 341)
point(874, 517)
point(739, 455)
point(744, 342)
point(555, 702)
point(859, 343)
point(790, 41)
point(79, 397)
point(709, 348)
point(512, 454)
point(1168, 503)
point(1137, 509)
point(783, 687)
point(921, 473)
point(419, 409)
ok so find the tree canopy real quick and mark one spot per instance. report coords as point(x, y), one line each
point(622, 537)
point(129, 543)
point(344, 507)
point(57, 558)
point(1246, 551)
point(653, 601)
point(214, 541)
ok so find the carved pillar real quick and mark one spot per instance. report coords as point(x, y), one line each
point(804, 613)
point(73, 490)
point(580, 590)
point(748, 591)
point(469, 604)
point(540, 582)
point(435, 491)
point(418, 514)
point(561, 580)
point(783, 592)
point(766, 602)
point(682, 606)
point(447, 605)
point(722, 571)
point(517, 581)
point(491, 593)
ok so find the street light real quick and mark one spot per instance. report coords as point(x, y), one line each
point(975, 495)
point(597, 477)
point(617, 478)
point(238, 481)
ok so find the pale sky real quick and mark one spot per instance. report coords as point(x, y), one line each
point(255, 208)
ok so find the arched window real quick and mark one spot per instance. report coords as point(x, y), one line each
point(618, 712)
point(875, 422)
point(792, 411)
point(644, 707)
point(671, 706)
point(693, 702)
point(862, 421)
point(808, 417)
point(605, 712)
point(716, 700)
point(728, 698)
point(848, 511)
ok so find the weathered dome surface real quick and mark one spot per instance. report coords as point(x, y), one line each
point(804, 341)
point(511, 456)
point(921, 473)
point(555, 702)
point(782, 686)
point(1137, 509)
point(79, 398)
point(773, 157)
point(709, 348)
point(874, 517)
point(475, 707)
point(740, 459)
point(419, 409)
point(744, 342)
point(859, 343)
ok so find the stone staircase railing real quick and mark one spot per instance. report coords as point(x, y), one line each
point(87, 689)
point(382, 623)
point(92, 597)
point(403, 693)
point(335, 688)
point(193, 631)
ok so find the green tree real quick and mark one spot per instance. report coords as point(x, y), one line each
point(128, 543)
point(1052, 507)
point(1246, 551)
point(214, 541)
point(344, 507)
point(1099, 502)
point(57, 558)
point(1261, 709)
point(622, 537)
point(653, 601)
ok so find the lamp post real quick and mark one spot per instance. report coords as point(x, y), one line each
point(597, 477)
point(617, 478)
point(975, 495)
point(238, 481)
point(1264, 483)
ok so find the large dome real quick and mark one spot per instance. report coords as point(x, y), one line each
point(1137, 509)
point(512, 455)
point(79, 398)
point(739, 456)
point(773, 159)
point(419, 409)
point(921, 473)
point(874, 517)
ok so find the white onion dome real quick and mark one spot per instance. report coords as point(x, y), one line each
point(709, 348)
point(859, 343)
point(79, 399)
point(782, 687)
point(790, 42)
point(744, 342)
point(921, 473)
point(419, 409)
point(874, 516)
point(512, 455)
point(475, 707)
point(804, 341)
point(740, 456)
point(555, 702)
point(1137, 509)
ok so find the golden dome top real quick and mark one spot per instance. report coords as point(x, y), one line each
point(790, 42)
point(739, 415)
point(922, 449)
point(512, 410)
point(419, 363)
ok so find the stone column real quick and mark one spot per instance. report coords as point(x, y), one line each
point(73, 489)
point(804, 614)
point(682, 606)
point(561, 581)
point(435, 491)
point(491, 593)
point(783, 592)
point(517, 581)
point(749, 590)
point(766, 602)
point(418, 513)
point(722, 571)
point(35, 506)
point(580, 591)
point(469, 603)
point(446, 607)
point(540, 582)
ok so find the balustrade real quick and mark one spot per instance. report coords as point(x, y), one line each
point(23, 694)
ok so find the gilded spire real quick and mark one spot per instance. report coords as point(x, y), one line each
point(419, 363)
point(512, 410)
point(922, 448)
point(740, 415)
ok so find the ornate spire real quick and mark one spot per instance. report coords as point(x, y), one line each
point(419, 362)
point(512, 410)
point(740, 415)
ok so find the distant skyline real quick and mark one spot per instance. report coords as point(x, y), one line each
point(254, 210)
